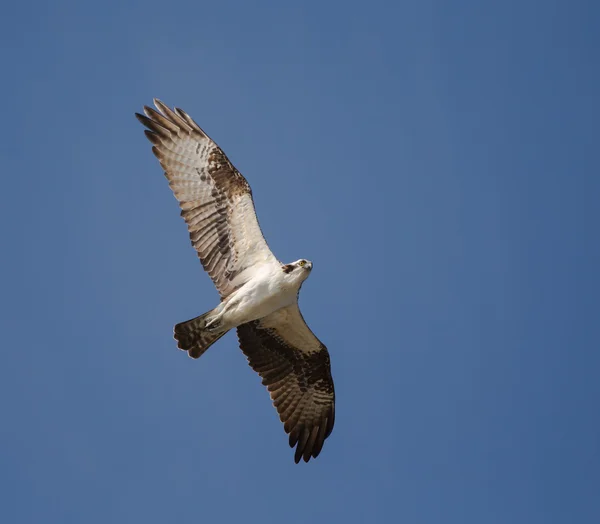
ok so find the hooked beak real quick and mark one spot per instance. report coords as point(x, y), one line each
point(309, 266)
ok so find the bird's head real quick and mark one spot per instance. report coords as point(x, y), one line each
point(299, 269)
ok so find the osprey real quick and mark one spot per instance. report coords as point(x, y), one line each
point(259, 294)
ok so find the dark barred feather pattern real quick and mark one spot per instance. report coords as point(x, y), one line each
point(295, 367)
point(215, 199)
point(192, 336)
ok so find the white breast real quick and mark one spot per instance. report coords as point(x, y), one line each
point(267, 291)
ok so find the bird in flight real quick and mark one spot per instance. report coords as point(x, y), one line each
point(259, 294)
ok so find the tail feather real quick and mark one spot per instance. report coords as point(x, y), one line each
point(192, 336)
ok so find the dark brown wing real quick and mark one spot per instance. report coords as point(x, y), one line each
point(215, 199)
point(294, 365)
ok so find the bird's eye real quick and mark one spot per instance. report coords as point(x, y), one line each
point(302, 263)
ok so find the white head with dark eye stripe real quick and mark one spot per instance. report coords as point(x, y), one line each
point(299, 269)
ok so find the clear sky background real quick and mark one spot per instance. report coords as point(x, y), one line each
point(439, 163)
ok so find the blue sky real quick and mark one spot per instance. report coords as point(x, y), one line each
point(438, 161)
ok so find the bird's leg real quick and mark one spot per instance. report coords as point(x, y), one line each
point(213, 323)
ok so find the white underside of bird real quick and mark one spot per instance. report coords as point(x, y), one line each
point(267, 290)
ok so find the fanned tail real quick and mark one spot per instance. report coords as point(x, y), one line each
point(193, 337)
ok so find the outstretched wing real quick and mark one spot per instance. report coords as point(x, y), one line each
point(294, 365)
point(215, 199)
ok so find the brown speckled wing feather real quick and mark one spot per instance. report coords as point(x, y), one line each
point(215, 199)
point(295, 367)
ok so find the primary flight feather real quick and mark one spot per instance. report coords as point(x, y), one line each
point(259, 294)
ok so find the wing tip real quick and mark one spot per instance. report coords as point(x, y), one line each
point(141, 118)
point(166, 118)
point(309, 441)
